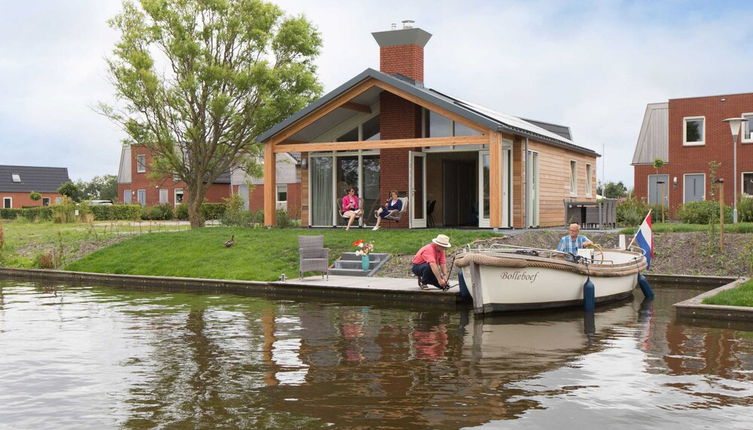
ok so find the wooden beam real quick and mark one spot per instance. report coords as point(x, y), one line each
point(495, 179)
point(322, 111)
point(382, 144)
point(270, 184)
point(356, 106)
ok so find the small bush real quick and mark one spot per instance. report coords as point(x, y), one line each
point(631, 212)
point(64, 212)
point(181, 212)
point(116, 212)
point(234, 211)
point(282, 219)
point(704, 212)
point(161, 212)
point(744, 208)
point(212, 210)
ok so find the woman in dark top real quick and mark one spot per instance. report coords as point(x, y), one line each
point(392, 206)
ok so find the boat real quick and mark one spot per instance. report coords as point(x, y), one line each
point(502, 278)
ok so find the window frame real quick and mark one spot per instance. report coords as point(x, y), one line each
point(166, 192)
point(175, 196)
point(139, 193)
point(127, 197)
point(742, 183)
point(45, 201)
point(746, 124)
point(685, 131)
point(573, 177)
point(16, 178)
point(589, 182)
point(8, 199)
point(140, 166)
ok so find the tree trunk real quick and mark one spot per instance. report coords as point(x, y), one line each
point(195, 199)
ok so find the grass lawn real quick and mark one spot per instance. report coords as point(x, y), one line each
point(740, 296)
point(671, 227)
point(258, 254)
point(24, 241)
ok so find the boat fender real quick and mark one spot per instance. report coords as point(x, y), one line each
point(464, 295)
point(589, 295)
point(645, 287)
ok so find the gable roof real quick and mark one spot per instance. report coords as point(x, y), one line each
point(653, 139)
point(39, 179)
point(544, 132)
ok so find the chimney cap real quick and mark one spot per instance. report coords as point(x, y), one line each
point(403, 36)
point(408, 23)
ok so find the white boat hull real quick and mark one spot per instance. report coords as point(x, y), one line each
point(496, 288)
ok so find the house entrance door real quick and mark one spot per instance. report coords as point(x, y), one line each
point(417, 189)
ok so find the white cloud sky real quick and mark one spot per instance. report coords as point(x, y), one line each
point(591, 65)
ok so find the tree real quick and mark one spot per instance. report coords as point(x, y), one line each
point(199, 80)
point(103, 187)
point(69, 189)
point(612, 190)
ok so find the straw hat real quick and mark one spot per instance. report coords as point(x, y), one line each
point(442, 240)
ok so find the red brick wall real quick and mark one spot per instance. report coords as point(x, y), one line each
point(20, 200)
point(695, 159)
point(408, 60)
point(400, 119)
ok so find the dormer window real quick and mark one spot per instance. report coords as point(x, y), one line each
point(141, 163)
point(16, 177)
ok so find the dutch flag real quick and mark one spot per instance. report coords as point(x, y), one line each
point(645, 239)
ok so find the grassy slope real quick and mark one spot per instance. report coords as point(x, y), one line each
point(740, 296)
point(259, 254)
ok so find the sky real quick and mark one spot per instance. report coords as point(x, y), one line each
point(590, 65)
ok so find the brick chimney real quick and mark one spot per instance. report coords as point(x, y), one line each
point(402, 51)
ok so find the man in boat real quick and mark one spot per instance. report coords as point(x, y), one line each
point(430, 264)
point(574, 241)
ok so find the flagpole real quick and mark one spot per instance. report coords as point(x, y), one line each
point(639, 228)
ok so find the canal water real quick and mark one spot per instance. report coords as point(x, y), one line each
point(78, 357)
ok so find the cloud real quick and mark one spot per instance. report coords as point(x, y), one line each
point(591, 65)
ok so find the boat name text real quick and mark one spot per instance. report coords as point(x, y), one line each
point(519, 276)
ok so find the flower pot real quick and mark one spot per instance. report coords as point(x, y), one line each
point(365, 262)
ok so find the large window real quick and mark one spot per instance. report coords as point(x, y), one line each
point(589, 186)
point(693, 131)
point(141, 196)
point(436, 125)
point(573, 178)
point(127, 197)
point(368, 130)
point(141, 163)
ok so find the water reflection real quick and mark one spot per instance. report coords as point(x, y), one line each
point(154, 359)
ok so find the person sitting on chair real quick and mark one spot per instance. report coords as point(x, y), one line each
point(430, 264)
point(350, 206)
point(573, 241)
point(392, 206)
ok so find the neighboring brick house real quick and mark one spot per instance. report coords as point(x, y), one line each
point(17, 183)
point(458, 163)
point(687, 134)
point(135, 185)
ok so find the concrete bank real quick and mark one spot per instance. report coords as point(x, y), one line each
point(390, 290)
point(695, 309)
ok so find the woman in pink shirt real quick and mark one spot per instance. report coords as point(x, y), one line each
point(350, 206)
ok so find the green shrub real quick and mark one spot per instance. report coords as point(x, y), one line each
point(704, 212)
point(234, 211)
point(158, 212)
point(631, 212)
point(744, 208)
point(181, 212)
point(64, 212)
point(282, 219)
point(9, 213)
point(212, 210)
point(116, 212)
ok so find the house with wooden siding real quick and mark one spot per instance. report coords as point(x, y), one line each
point(459, 164)
point(17, 183)
point(687, 134)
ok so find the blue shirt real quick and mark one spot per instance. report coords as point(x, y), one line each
point(567, 244)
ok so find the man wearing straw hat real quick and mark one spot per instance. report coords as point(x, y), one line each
point(430, 264)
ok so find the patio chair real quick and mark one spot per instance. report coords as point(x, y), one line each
point(313, 256)
point(341, 211)
point(396, 216)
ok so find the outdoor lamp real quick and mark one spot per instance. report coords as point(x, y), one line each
point(734, 128)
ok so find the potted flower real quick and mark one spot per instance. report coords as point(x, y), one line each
point(363, 249)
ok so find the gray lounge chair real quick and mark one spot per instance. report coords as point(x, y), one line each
point(313, 256)
point(396, 216)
